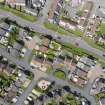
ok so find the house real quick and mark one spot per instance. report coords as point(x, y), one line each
point(86, 14)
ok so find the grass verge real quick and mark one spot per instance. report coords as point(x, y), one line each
point(23, 15)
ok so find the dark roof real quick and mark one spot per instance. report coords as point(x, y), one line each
point(103, 36)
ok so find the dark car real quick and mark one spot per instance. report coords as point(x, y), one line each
point(103, 55)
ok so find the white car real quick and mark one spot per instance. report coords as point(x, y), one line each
point(22, 55)
point(23, 50)
point(28, 38)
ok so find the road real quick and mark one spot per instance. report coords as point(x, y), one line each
point(39, 74)
point(64, 39)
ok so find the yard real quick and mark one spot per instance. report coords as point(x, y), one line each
point(102, 28)
point(70, 99)
point(99, 96)
point(14, 34)
point(5, 81)
point(54, 45)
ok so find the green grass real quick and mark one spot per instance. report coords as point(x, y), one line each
point(56, 28)
point(74, 50)
point(93, 44)
point(78, 51)
point(60, 74)
point(102, 28)
point(62, 31)
point(23, 15)
point(77, 32)
point(49, 69)
point(70, 99)
point(1, 1)
point(99, 96)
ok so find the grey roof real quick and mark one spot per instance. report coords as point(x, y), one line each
point(2, 32)
point(4, 26)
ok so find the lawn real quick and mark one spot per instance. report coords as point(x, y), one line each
point(93, 44)
point(77, 33)
point(60, 74)
point(49, 69)
point(102, 28)
point(56, 28)
point(77, 51)
point(99, 96)
point(55, 45)
point(63, 31)
point(1, 1)
point(14, 35)
point(20, 14)
point(70, 99)
point(4, 81)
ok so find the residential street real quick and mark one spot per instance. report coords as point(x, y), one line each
point(39, 74)
point(64, 39)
